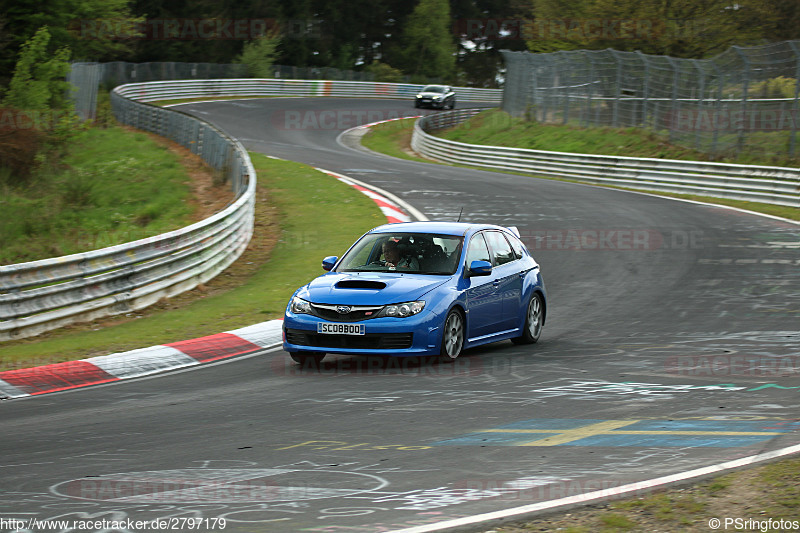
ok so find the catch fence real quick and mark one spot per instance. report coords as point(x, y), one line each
point(745, 99)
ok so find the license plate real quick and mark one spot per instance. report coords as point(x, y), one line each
point(341, 329)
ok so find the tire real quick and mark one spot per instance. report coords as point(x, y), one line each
point(453, 103)
point(452, 336)
point(534, 321)
point(307, 359)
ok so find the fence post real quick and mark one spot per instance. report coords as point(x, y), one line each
point(674, 97)
point(646, 88)
point(533, 93)
point(795, 111)
point(615, 112)
point(697, 65)
point(567, 88)
point(745, 89)
point(589, 88)
point(545, 98)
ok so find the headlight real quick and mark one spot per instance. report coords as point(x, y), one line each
point(403, 310)
point(300, 306)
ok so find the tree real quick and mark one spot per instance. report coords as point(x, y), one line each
point(38, 80)
point(259, 54)
point(71, 23)
point(428, 47)
point(547, 31)
point(384, 72)
point(678, 28)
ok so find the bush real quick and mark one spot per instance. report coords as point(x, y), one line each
point(780, 87)
point(384, 73)
point(20, 142)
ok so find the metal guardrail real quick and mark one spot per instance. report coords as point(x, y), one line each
point(165, 90)
point(39, 296)
point(771, 185)
point(42, 295)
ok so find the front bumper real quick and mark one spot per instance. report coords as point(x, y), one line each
point(430, 103)
point(412, 336)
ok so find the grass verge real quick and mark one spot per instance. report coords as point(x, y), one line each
point(394, 139)
point(497, 128)
point(303, 215)
point(758, 494)
point(114, 185)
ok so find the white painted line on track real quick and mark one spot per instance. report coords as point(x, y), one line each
point(518, 513)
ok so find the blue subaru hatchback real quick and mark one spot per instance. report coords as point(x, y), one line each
point(419, 288)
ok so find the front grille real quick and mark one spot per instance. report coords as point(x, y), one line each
point(370, 341)
point(329, 312)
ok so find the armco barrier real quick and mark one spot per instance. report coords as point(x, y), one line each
point(771, 185)
point(165, 90)
point(42, 295)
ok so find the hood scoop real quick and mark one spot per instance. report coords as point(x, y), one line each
point(360, 284)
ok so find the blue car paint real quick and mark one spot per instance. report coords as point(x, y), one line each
point(494, 306)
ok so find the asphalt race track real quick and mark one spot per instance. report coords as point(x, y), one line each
point(671, 344)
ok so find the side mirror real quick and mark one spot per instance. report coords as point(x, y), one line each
point(480, 268)
point(329, 262)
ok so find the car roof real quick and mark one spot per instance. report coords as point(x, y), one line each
point(429, 226)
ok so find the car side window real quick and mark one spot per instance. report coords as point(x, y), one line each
point(517, 245)
point(501, 250)
point(477, 250)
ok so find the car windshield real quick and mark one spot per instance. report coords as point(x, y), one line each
point(413, 253)
point(433, 89)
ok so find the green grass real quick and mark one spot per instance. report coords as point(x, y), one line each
point(770, 491)
point(113, 186)
point(391, 138)
point(496, 128)
point(319, 216)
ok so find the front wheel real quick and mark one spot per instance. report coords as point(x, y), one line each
point(534, 321)
point(452, 336)
point(307, 358)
